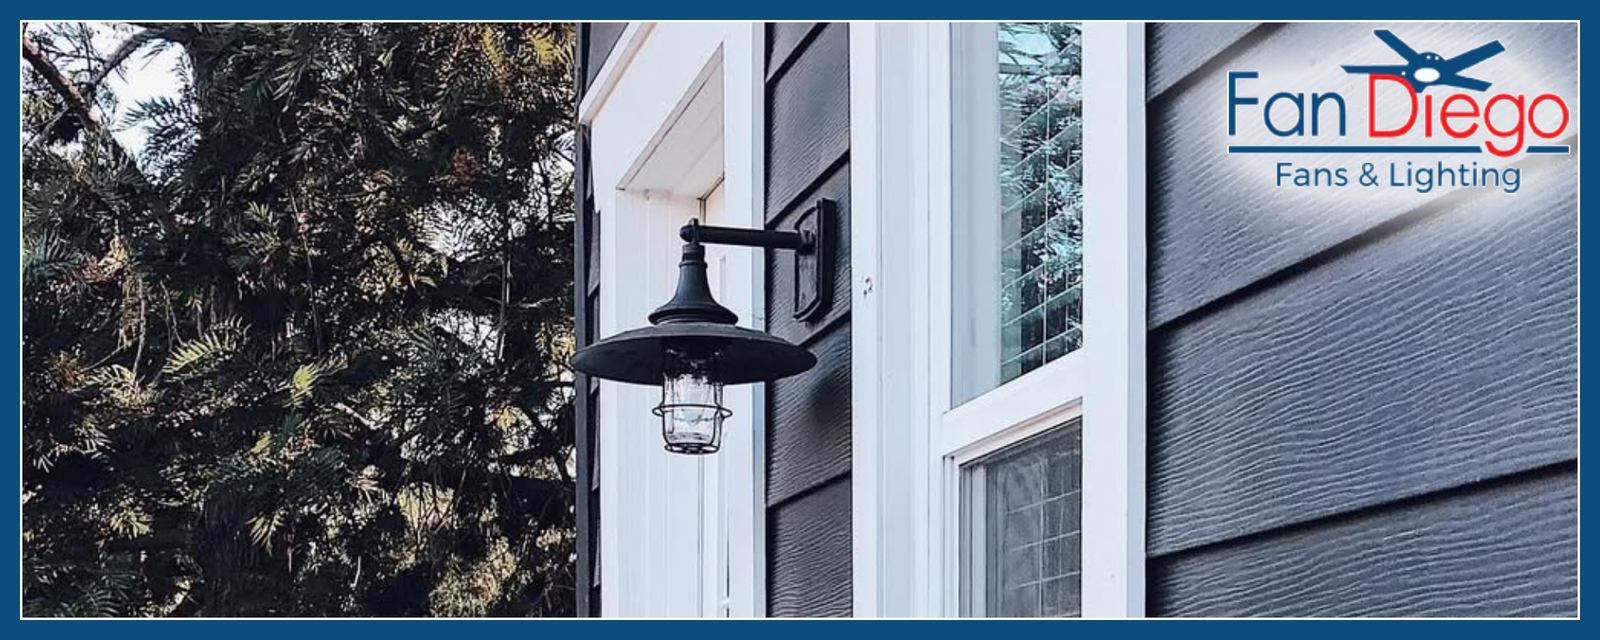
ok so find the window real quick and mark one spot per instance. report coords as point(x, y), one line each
point(1021, 535)
point(999, 305)
point(1037, 451)
point(1017, 304)
point(1018, 119)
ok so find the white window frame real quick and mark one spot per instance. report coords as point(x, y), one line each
point(908, 447)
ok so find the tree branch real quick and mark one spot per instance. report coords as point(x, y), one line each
point(81, 104)
point(356, 415)
point(58, 81)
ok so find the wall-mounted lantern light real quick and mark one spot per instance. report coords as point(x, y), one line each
point(694, 347)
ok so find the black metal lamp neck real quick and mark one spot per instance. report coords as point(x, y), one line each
point(693, 302)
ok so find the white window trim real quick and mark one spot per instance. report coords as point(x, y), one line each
point(907, 449)
point(651, 164)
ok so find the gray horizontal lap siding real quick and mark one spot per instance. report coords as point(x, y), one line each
point(1355, 414)
point(594, 44)
point(1502, 549)
point(586, 287)
point(808, 416)
point(599, 38)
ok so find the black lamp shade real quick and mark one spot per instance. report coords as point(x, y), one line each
point(700, 334)
point(731, 354)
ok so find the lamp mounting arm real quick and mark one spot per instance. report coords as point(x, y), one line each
point(812, 240)
point(798, 241)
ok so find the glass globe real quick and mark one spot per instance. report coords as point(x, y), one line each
point(691, 410)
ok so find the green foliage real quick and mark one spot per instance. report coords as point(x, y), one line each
point(302, 352)
point(216, 343)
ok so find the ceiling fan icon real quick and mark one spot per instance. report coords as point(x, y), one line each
point(1424, 70)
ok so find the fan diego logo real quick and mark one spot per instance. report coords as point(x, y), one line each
point(1424, 105)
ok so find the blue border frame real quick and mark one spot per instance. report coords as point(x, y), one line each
point(300, 9)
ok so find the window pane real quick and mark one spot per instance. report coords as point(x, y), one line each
point(1021, 539)
point(1017, 200)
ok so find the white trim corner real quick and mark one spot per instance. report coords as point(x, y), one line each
point(1115, 324)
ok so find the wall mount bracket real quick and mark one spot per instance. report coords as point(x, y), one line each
point(811, 241)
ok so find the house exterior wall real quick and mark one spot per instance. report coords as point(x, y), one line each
point(1348, 414)
point(809, 416)
point(1356, 414)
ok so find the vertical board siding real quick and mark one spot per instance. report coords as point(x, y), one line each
point(1363, 402)
point(808, 416)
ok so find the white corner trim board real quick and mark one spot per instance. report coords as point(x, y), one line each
point(622, 53)
point(1115, 323)
point(888, 247)
point(745, 478)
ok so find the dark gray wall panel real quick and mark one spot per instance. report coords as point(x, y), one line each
point(1434, 356)
point(809, 438)
point(1507, 550)
point(592, 266)
point(1176, 49)
point(780, 264)
point(809, 422)
point(1361, 403)
point(808, 116)
point(809, 545)
point(1220, 224)
point(602, 40)
point(584, 417)
point(783, 39)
